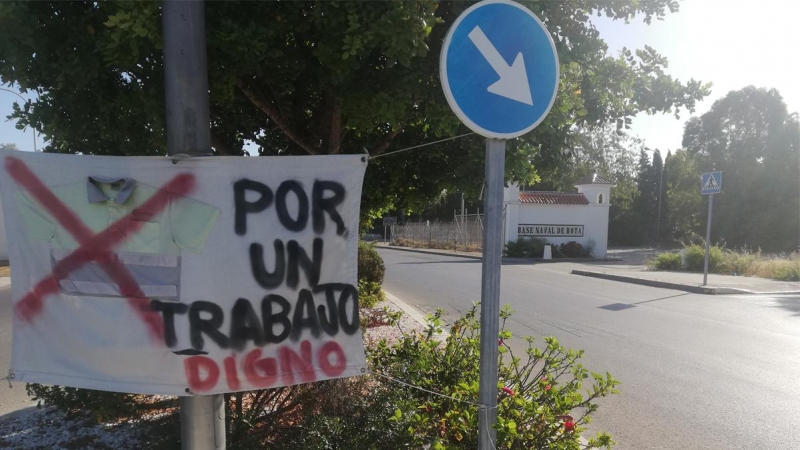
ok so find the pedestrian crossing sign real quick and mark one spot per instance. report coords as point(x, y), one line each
point(712, 183)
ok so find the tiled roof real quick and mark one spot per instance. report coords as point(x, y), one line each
point(595, 179)
point(553, 198)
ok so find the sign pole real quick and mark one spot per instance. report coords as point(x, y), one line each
point(490, 291)
point(708, 238)
point(498, 101)
point(188, 133)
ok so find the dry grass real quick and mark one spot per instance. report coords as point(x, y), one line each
point(435, 245)
point(779, 269)
point(745, 262)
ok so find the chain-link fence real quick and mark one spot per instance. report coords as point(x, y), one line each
point(462, 233)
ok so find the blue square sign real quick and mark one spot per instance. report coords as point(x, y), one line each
point(711, 184)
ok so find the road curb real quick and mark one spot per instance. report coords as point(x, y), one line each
point(412, 312)
point(429, 252)
point(705, 290)
point(506, 259)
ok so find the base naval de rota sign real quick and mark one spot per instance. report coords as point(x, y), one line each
point(550, 230)
point(207, 276)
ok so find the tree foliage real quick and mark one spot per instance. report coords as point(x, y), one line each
point(314, 77)
point(685, 213)
point(750, 136)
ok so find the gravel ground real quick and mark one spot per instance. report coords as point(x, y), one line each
point(48, 428)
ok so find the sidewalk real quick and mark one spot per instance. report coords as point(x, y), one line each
point(627, 266)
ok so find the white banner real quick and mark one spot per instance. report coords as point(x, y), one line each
point(211, 275)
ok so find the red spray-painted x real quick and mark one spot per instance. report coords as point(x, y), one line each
point(94, 247)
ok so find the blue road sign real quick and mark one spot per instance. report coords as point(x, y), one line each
point(712, 183)
point(499, 69)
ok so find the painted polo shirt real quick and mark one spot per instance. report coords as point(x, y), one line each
point(152, 254)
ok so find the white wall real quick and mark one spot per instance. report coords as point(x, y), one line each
point(3, 240)
point(593, 217)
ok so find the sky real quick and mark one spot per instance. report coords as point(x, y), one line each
point(731, 43)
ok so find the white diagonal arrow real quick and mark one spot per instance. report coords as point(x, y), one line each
point(513, 82)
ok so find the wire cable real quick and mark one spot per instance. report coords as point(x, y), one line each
point(420, 146)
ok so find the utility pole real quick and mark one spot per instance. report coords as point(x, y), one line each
point(660, 194)
point(188, 133)
point(463, 222)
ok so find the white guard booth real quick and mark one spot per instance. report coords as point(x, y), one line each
point(560, 217)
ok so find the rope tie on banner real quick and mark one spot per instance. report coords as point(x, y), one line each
point(8, 378)
point(178, 157)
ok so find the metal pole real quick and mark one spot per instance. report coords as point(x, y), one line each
point(186, 77)
point(188, 132)
point(660, 194)
point(490, 292)
point(708, 238)
point(463, 221)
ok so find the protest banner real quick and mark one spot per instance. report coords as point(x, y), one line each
point(212, 275)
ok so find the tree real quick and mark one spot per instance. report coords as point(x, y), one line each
point(686, 213)
point(8, 147)
point(319, 77)
point(750, 136)
point(611, 153)
point(645, 207)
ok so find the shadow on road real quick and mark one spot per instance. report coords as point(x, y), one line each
point(791, 304)
point(624, 306)
point(662, 298)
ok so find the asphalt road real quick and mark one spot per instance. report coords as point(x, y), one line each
point(697, 372)
point(15, 398)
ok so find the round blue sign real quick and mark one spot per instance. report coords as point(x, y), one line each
point(499, 69)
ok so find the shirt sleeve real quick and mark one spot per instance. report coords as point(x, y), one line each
point(191, 222)
point(37, 222)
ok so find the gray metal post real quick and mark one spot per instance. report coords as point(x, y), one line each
point(490, 291)
point(660, 194)
point(463, 221)
point(188, 132)
point(186, 77)
point(708, 238)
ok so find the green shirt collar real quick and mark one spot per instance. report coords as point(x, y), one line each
point(96, 195)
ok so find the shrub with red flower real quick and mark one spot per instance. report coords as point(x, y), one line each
point(531, 414)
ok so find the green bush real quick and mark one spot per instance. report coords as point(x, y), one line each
point(539, 392)
point(525, 248)
point(571, 249)
point(102, 405)
point(787, 272)
point(737, 263)
point(369, 293)
point(696, 254)
point(342, 414)
point(667, 261)
point(370, 264)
